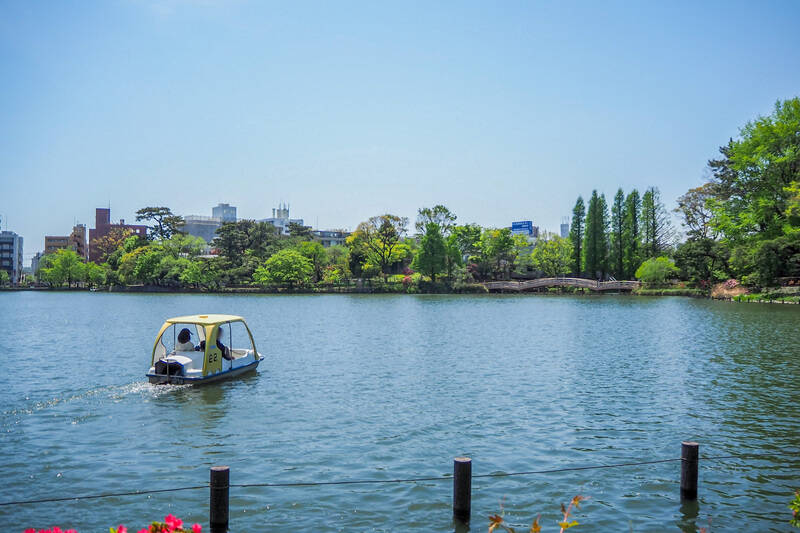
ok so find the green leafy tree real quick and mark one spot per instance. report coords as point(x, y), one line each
point(106, 245)
point(754, 197)
point(755, 175)
point(453, 256)
point(446, 220)
point(497, 251)
point(232, 240)
point(432, 257)
point(314, 252)
point(631, 234)
point(170, 269)
point(468, 239)
point(358, 253)
point(338, 257)
point(183, 245)
point(696, 213)
point(94, 274)
point(439, 215)
point(127, 265)
point(595, 242)
point(702, 260)
point(657, 231)
point(67, 267)
point(164, 224)
point(577, 235)
point(5, 278)
point(380, 236)
point(300, 231)
point(553, 256)
point(245, 244)
point(520, 259)
point(656, 270)
point(617, 236)
point(200, 273)
point(45, 262)
point(286, 266)
point(147, 268)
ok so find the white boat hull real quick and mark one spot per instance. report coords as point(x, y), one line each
point(188, 375)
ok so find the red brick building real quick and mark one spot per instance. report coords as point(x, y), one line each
point(103, 226)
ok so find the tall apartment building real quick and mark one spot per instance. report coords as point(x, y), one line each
point(103, 226)
point(76, 241)
point(11, 255)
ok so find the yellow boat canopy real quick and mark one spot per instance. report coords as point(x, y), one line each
point(212, 360)
point(205, 320)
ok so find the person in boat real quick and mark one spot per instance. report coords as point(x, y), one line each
point(184, 341)
point(226, 352)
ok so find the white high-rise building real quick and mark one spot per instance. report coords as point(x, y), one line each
point(280, 219)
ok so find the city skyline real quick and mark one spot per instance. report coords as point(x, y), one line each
point(350, 111)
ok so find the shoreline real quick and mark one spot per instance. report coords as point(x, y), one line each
point(383, 289)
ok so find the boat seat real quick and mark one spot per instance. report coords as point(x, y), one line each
point(196, 358)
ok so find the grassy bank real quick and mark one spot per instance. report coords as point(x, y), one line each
point(768, 297)
point(671, 291)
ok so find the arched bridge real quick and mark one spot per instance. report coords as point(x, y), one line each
point(591, 284)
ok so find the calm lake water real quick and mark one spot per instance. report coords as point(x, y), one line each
point(386, 387)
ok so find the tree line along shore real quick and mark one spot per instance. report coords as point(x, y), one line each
point(740, 238)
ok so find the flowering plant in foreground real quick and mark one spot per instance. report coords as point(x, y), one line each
point(171, 524)
point(497, 521)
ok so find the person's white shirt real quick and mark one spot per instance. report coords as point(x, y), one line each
point(184, 347)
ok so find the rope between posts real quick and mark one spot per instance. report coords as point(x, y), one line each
point(388, 481)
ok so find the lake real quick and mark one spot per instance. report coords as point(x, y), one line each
point(384, 387)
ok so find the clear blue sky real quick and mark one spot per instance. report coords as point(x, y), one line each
point(501, 111)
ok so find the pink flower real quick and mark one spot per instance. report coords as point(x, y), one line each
point(29, 530)
point(173, 522)
point(197, 528)
point(122, 529)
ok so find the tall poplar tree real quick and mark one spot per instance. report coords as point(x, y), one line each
point(657, 230)
point(595, 242)
point(602, 236)
point(576, 232)
point(631, 234)
point(616, 259)
point(590, 245)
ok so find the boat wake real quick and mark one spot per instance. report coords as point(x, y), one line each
point(113, 393)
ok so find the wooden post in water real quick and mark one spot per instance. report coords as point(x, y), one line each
point(462, 489)
point(690, 453)
point(218, 508)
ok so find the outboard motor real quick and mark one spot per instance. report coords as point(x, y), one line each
point(169, 368)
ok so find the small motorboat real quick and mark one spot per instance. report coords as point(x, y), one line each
point(178, 360)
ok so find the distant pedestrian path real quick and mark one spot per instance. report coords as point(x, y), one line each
point(540, 283)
